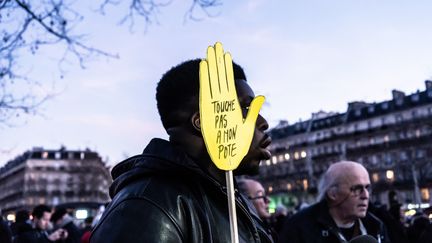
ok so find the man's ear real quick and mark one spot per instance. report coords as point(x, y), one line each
point(332, 193)
point(196, 122)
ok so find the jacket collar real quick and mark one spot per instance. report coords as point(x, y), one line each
point(324, 216)
point(159, 157)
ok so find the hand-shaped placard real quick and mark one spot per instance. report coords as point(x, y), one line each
point(227, 134)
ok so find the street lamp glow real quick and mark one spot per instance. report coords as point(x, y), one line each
point(81, 214)
point(303, 154)
point(11, 217)
point(390, 175)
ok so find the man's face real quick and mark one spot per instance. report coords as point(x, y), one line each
point(259, 199)
point(43, 222)
point(258, 150)
point(353, 194)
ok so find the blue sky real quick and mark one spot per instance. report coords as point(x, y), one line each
point(304, 56)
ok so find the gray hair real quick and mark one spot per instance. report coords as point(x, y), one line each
point(327, 181)
point(332, 176)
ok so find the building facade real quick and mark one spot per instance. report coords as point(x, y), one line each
point(53, 177)
point(392, 139)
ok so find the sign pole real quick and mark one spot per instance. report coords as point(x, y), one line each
point(232, 206)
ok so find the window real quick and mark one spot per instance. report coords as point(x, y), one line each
point(390, 175)
point(399, 101)
point(399, 118)
point(384, 105)
point(274, 160)
point(420, 153)
point(289, 187)
point(415, 97)
point(357, 112)
point(280, 158)
point(303, 154)
point(305, 184)
point(425, 194)
point(375, 177)
point(403, 155)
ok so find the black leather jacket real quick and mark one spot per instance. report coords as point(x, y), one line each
point(163, 196)
point(315, 225)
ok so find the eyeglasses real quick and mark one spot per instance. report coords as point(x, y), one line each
point(264, 197)
point(358, 189)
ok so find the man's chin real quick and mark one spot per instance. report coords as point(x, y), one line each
point(250, 168)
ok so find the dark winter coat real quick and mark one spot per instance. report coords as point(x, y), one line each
point(164, 196)
point(32, 236)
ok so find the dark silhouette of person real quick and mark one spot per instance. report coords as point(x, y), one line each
point(173, 192)
point(5, 231)
point(62, 220)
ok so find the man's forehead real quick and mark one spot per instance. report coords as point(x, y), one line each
point(46, 215)
point(355, 177)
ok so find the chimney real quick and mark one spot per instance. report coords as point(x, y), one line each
point(397, 95)
point(428, 84)
point(356, 105)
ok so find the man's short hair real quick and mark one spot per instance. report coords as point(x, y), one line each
point(22, 216)
point(325, 183)
point(58, 214)
point(178, 90)
point(39, 211)
point(242, 186)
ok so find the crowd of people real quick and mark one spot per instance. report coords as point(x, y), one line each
point(173, 192)
point(43, 225)
point(342, 213)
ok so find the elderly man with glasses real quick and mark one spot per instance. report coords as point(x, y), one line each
point(257, 195)
point(341, 212)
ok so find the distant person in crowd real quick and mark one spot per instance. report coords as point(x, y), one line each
point(279, 217)
point(395, 228)
point(341, 212)
point(426, 234)
point(420, 229)
point(62, 220)
point(39, 231)
point(22, 222)
point(5, 231)
point(87, 229)
point(173, 192)
point(255, 192)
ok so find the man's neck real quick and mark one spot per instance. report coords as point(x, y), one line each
point(340, 220)
point(194, 146)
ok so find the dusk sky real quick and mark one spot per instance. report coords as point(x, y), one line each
point(303, 56)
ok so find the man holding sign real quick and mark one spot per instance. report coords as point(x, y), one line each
point(173, 192)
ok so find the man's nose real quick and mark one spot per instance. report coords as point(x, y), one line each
point(262, 124)
point(364, 194)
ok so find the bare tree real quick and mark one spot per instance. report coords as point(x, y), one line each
point(26, 26)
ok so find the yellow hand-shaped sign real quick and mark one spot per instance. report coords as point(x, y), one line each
point(227, 134)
